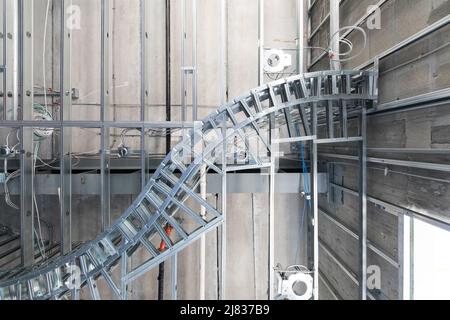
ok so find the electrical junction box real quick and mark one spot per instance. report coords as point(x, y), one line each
point(276, 60)
point(5, 151)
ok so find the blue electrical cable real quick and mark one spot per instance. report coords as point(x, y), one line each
point(305, 174)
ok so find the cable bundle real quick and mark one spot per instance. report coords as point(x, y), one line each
point(42, 114)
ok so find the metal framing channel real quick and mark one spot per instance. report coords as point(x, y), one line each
point(222, 95)
point(10, 51)
point(3, 62)
point(308, 30)
point(192, 69)
point(223, 227)
point(423, 33)
point(105, 114)
point(225, 112)
point(380, 252)
point(329, 286)
point(145, 84)
point(274, 135)
point(301, 18)
point(334, 29)
point(194, 62)
point(315, 204)
point(341, 264)
point(65, 194)
point(429, 29)
point(363, 207)
point(393, 209)
point(346, 33)
point(26, 157)
point(393, 162)
point(260, 42)
point(405, 225)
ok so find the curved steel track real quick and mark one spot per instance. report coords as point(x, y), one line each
point(171, 197)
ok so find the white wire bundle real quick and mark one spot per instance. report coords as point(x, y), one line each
point(40, 238)
point(10, 177)
point(42, 114)
point(345, 56)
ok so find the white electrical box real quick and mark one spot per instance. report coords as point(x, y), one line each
point(276, 60)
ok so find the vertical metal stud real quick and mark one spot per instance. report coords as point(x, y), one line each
point(3, 55)
point(301, 36)
point(26, 158)
point(104, 113)
point(10, 55)
point(363, 208)
point(174, 274)
point(260, 42)
point(194, 62)
point(273, 136)
point(124, 271)
point(314, 204)
point(183, 61)
point(334, 28)
point(223, 241)
point(145, 85)
point(66, 133)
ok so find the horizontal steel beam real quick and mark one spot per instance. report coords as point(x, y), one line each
point(133, 164)
point(129, 184)
point(293, 140)
point(392, 208)
point(96, 124)
point(319, 26)
point(392, 162)
point(355, 236)
point(338, 140)
point(329, 286)
point(350, 274)
point(438, 95)
point(409, 150)
point(422, 33)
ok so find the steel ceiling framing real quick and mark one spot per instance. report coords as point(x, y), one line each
point(277, 106)
point(299, 102)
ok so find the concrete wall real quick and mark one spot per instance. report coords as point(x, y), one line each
point(419, 68)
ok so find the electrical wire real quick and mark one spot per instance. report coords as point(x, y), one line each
point(38, 217)
point(8, 200)
point(42, 114)
point(344, 56)
point(306, 185)
point(39, 135)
